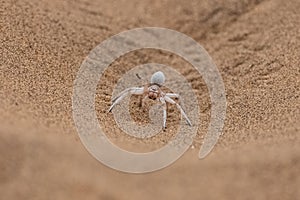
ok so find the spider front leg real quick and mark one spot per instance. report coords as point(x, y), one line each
point(162, 100)
point(168, 99)
point(142, 100)
point(132, 90)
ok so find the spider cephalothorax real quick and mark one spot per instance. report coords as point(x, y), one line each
point(154, 92)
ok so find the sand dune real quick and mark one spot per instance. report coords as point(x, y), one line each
point(256, 46)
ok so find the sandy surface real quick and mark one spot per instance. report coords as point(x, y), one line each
point(256, 46)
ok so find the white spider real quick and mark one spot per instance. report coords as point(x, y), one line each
point(154, 92)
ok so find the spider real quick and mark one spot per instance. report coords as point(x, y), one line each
point(154, 92)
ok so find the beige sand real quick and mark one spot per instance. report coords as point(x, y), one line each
point(255, 44)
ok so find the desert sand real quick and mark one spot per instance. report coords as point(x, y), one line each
point(254, 43)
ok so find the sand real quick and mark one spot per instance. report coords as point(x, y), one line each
point(256, 46)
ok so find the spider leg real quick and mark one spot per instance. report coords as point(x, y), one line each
point(162, 100)
point(177, 96)
point(142, 100)
point(168, 99)
point(173, 95)
point(132, 90)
